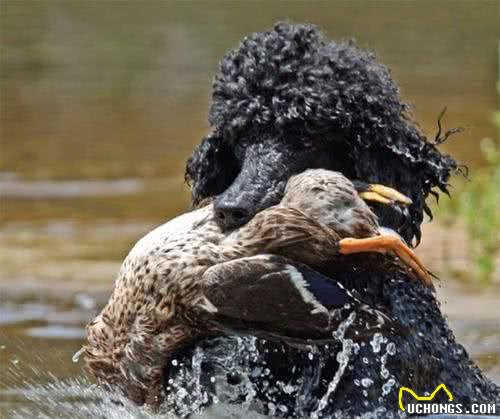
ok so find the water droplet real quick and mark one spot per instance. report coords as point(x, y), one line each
point(386, 388)
point(375, 342)
point(76, 357)
point(272, 408)
point(283, 408)
point(175, 362)
point(182, 393)
point(391, 349)
point(366, 382)
point(384, 372)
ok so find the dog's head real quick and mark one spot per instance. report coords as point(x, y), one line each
point(287, 100)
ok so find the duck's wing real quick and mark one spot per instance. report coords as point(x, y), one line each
point(272, 296)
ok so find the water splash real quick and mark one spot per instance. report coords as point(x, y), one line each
point(387, 387)
point(74, 398)
point(44, 394)
point(390, 350)
point(36, 368)
point(32, 391)
point(238, 391)
point(76, 356)
point(342, 358)
point(366, 382)
point(376, 342)
point(233, 369)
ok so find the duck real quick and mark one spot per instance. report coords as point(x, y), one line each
point(187, 278)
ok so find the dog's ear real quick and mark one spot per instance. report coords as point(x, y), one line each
point(211, 168)
point(417, 172)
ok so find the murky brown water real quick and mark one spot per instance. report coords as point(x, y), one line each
point(102, 102)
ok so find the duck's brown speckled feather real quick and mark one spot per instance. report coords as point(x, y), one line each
point(167, 292)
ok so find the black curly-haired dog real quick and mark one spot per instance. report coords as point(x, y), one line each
point(286, 100)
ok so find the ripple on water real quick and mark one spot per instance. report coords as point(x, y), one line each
point(56, 332)
point(45, 319)
point(63, 189)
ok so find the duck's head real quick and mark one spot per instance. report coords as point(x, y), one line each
point(336, 201)
point(315, 183)
point(324, 195)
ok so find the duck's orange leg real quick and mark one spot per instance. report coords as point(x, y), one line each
point(383, 244)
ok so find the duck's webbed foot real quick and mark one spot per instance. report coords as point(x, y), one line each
point(383, 244)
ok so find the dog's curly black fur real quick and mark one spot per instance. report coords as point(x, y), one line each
point(286, 100)
point(291, 85)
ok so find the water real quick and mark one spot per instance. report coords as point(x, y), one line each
point(343, 360)
point(100, 106)
point(39, 378)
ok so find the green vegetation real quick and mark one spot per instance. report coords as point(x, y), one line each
point(475, 205)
